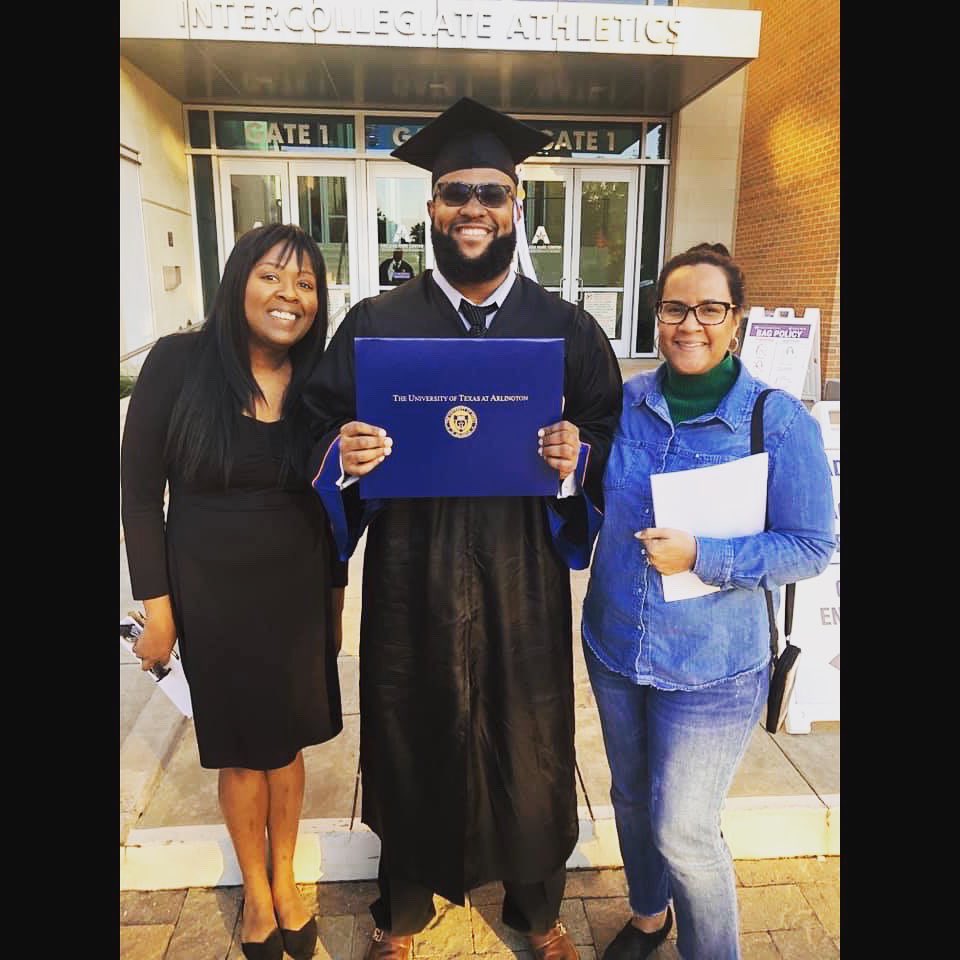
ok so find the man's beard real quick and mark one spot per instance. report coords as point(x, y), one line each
point(460, 269)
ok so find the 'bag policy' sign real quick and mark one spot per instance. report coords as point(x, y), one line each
point(783, 350)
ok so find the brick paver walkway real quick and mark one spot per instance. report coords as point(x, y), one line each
point(789, 909)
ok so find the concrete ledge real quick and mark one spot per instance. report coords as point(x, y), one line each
point(833, 828)
point(755, 828)
point(597, 844)
point(770, 828)
point(171, 858)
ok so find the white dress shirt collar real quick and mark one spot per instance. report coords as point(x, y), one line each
point(455, 296)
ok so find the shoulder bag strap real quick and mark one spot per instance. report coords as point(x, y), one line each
point(756, 446)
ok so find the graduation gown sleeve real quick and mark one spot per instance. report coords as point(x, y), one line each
point(330, 396)
point(593, 389)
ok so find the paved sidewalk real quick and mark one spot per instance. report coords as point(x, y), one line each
point(789, 909)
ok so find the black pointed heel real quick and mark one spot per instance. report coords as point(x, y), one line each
point(269, 949)
point(302, 943)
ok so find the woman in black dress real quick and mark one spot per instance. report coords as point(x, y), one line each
point(242, 569)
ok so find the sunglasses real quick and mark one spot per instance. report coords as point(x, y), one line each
point(455, 193)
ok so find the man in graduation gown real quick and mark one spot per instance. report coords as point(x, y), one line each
point(466, 661)
point(395, 271)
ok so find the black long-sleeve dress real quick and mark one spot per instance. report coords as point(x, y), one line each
point(248, 570)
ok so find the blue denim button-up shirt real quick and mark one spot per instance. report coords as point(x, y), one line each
point(693, 643)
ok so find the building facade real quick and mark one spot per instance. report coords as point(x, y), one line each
point(788, 214)
point(239, 113)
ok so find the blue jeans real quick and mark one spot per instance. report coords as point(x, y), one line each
point(672, 756)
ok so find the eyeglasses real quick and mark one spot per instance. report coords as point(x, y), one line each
point(709, 313)
point(455, 193)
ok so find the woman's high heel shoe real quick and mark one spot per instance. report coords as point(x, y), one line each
point(269, 949)
point(300, 944)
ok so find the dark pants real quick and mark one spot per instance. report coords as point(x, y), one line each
point(406, 907)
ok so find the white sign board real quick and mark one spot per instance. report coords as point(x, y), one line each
point(783, 350)
point(816, 614)
point(602, 306)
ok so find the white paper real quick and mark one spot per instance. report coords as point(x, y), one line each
point(728, 500)
point(174, 684)
point(602, 306)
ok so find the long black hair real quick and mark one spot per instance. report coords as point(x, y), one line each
point(220, 385)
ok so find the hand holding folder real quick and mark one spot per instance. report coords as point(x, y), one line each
point(463, 415)
point(363, 447)
point(169, 677)
point(728, 500)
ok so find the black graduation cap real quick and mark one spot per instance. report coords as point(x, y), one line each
point(469, 135)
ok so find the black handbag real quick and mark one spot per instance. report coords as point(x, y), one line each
point(783, 665)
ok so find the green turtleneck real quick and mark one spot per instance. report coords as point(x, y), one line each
point(690, 396)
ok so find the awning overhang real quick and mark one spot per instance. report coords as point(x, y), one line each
point(526, 57)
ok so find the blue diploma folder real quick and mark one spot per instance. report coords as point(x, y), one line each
point(463, 414)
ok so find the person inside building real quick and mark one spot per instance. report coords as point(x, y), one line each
point(243, 570)
point(466, 661)
point(395, 270)
point(680, 685)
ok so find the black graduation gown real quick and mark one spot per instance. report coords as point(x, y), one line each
point(466, 660)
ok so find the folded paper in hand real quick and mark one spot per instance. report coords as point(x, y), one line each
point(170, 677)
point(728, 500)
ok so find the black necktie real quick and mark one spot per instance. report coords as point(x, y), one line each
point(477, 317)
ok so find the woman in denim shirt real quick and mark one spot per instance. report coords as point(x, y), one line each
point(681, 686)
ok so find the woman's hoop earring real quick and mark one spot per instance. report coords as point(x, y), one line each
point(734, 344)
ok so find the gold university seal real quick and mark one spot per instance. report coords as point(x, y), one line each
point(460, 422)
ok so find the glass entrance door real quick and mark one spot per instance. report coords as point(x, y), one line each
point(323, 199)
point(581, 226)
point(547, 217)
point(253, 193)
point(605, 234)
point(398, 247)
point(320, 196)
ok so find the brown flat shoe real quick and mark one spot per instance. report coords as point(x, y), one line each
point(385, 946)
point(555, 944)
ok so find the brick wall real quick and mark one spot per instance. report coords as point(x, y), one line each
point(788, 213)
